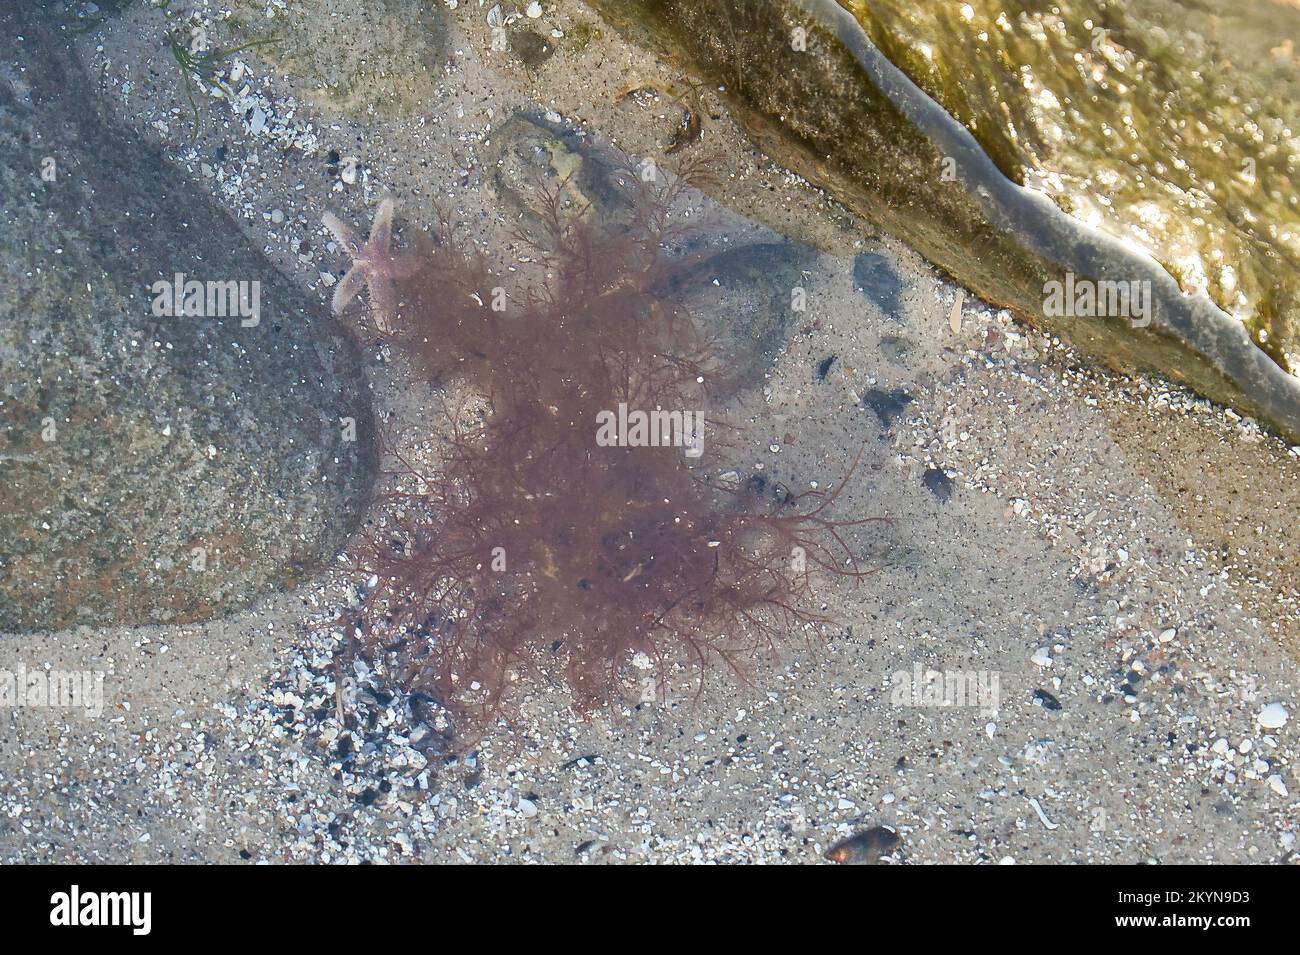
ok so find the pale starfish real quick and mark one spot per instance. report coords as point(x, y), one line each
point(373, 264)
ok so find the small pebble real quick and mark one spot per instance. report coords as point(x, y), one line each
point(864, 848)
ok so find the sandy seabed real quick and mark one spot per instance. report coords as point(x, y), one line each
point(1113, 554)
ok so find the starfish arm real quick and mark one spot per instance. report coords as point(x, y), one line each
point(342, 233)
point(348, 288)
point(381, 231)
point(383, 302)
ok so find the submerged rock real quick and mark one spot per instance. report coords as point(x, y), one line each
point(382, 56)
point(530, 48)
point(1166, 122)
point(155, 468)
point(867, 847)
point(816, 94)
point(878, 281)
point(747, 292)
point(888, 405)
point(938, 483)
point(529, 151)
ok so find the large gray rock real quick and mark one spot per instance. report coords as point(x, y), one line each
point(153, 468)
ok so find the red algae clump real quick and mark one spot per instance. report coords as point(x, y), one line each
point(565, 525)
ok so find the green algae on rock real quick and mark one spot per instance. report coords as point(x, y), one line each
point(815, 93)
point(154, 468)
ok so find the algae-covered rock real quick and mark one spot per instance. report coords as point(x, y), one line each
point(746, 295)
point(819, 97)
point(1169, 123)
point(155, 467)
point(529, 154)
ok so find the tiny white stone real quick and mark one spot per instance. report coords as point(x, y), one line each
point(1273, 716)
point(1042, 657)
point(1167, 635)
point(528, 808)
point(534, 10)
point(1275, 783)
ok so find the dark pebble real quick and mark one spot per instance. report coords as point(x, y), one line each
point(887, 405)
point(864, 848)
point(940, 485)
point(1046, 700)
point(530, 48)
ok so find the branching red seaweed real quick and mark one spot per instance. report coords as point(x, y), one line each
point(530, 544)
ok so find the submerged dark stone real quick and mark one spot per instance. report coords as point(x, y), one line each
point(864, 848)
point(887, 405)
point(531, 49)
point(156, 469)
point(938, 483)
point(1046, 700)
point(879, 282)
point(749, 288)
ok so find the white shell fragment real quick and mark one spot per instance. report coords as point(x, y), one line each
point(1273, 716)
